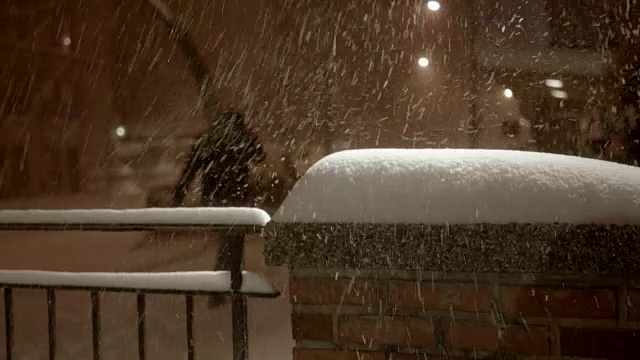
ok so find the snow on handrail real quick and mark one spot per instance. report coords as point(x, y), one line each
point(166, 282)
point(133, 219)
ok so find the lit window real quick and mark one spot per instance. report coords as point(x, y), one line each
point(559, 94)
point(554, 83)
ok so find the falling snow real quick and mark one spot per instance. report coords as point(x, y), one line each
point(101, 102)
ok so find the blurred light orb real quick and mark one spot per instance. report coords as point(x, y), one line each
point(508, 93)
point(433, 5)
point(120, 131)
point(554, 83)
point(66, 41)
point(423, 62)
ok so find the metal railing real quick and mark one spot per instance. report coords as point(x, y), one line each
point(52, 282)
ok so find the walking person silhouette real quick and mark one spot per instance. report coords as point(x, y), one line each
point(224, 153)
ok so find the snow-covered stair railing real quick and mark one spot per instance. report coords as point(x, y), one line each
point(234, 223)
point(178, 219)
point(183, 282)
point(462, 254)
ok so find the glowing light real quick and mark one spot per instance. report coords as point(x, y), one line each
point(433, 5)
point(508, 93)
point(559, 94)
point(66, 41)
point(423, 62)
point(554, 83)
point(120, 131)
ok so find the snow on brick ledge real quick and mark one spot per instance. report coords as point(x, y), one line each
point(137, 217)
point(461, 211)
point(456, 186)
point(187, 281)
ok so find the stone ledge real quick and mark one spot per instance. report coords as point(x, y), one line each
point(511, 248)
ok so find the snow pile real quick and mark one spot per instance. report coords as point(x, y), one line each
point(447, 186)
point(152, 216)
point(210, 281)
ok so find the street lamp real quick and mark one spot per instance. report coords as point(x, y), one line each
point(433, 5)
point(120, 131)
point(423, 62)
point(508, 93)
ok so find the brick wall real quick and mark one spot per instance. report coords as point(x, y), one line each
point(404, 315)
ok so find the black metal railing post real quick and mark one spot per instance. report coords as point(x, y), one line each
point(95, 324)
point(8, 322)
point(51, 322)
point(238, 301)
point(141, 305)
point(189, 320)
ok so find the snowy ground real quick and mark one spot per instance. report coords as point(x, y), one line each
point(269, 319)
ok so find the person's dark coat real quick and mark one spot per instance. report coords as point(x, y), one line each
point(224, 154)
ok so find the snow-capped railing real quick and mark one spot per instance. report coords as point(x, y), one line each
point(179, 219)
point(232, 222)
